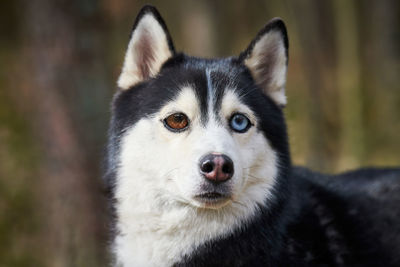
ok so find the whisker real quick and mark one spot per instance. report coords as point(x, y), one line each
point(252, 167)
point(165, 175)
point(255, 177)
point(239, 203)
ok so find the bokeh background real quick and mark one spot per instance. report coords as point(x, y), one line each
point(59, 60)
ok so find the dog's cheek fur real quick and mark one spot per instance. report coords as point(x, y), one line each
point(144, 187)
point(258, 160)
point(260, 170)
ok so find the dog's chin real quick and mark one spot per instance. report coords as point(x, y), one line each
point(211, 200)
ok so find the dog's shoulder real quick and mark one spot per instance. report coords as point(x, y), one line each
point(381, 184)
point(351, 216)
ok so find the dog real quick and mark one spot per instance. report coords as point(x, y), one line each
point(200, 173)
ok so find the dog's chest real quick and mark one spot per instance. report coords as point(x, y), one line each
point(151, 236)
point(149, 249)
point(163, 241)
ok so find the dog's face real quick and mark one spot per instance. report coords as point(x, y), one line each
point(198, 132)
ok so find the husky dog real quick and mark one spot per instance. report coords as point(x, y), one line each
point(200, 171)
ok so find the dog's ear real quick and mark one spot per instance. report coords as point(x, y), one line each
point(150, 45)
point(267, 58)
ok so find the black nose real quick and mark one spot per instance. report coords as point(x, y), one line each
point(216, 167)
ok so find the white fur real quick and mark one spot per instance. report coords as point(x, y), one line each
point(271, 43)
point(148, 27)
point(210, 93)
point(159, 221)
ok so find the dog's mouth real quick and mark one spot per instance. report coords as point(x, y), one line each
point(212, 198)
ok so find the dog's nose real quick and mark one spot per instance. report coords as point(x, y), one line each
point(216, 167)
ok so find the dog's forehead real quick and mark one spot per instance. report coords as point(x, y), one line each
point(185, 69)
point(207, 81)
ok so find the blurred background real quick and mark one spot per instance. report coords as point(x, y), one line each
point(59, 61)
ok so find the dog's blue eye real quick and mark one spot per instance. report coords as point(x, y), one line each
point(239, 123)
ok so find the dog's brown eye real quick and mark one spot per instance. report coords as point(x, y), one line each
point(176, 122)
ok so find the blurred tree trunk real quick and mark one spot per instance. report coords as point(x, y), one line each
point(349, 85)
point(318, 63)
point(68, 191)
point(380, 44)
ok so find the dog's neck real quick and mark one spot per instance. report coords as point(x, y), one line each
point(154, 235)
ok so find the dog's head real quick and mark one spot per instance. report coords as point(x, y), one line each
point(205, 133)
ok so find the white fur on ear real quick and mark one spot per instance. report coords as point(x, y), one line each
point(147, 50)
point(266, 59)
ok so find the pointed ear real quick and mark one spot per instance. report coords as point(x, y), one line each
point(150, 45)
point(267, 58)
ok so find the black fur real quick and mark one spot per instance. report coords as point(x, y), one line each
point(326, 221)
point(352, 219)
